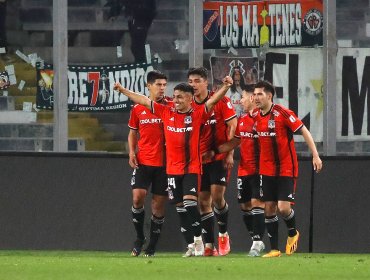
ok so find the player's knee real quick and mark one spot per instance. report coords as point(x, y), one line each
point(138, 200)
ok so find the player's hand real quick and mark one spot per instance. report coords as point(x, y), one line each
point(229, 161)
point(118, 87)
point(133, 161)
point(227, 81)
point(208, 156)
point(317, 164)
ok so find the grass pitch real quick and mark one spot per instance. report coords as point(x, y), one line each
point(107, 265)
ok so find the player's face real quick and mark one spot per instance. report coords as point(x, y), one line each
point(262, 99)
point(157, 89)
point(247, 101)
point(237, 77)
point(199, 84)
point(182, 100)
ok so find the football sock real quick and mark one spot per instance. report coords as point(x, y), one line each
point(155, 230)
point(272, 225)
point(186, 229)
point(191, 207)
point(138, 215)
point(290, 223)
point(207, 221)
point(248, 221)
point(222, 217)
point(258, 215)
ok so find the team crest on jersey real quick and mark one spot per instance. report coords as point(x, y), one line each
point(229, 105)
point(292, 119)
point(271, 124)
point(188, 120)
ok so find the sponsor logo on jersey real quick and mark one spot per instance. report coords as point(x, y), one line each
point(172, 119)
point(188, 119)
point(143, 113)
point(241, 124)
point(271, 124)
point(179, 129)
point(193, 190)
point(266, 134)
point(223, 179)
point(247, 134)
point(291, 196)
point(276, 113)
point(210, 122)
point(150, 121)
point(292, 119)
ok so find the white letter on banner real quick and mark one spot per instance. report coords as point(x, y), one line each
point(246, 27)
point(292, 24)
point(272, 26)
point(139, 81)
point(73, 88)
point(285, 15)
point(229, 26)
point(235, 36)
point(255, 34)
point(278, 26)
point(298, 22)
point(83, 98)
point(222, 36)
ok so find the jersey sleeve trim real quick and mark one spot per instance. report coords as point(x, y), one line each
point(298, 128)
point(229, 119)
point(133, 128)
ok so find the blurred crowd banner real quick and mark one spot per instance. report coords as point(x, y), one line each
point(287, 23)
point(90, 88)
point(243, 70)
point(353, 89)
point(297, 75)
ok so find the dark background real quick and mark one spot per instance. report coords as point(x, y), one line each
point(83, 202)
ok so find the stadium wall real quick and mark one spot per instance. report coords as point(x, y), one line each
point(82, 202)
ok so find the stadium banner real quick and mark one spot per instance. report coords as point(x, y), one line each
point(90, 88)
point(280, 24)
point(297, 75)
point(353, 89)
point(247, 67)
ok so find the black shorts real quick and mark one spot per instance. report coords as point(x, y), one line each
point(146, 176)
point(278, 188)
point(214, 173)
point(248, 188)
point(180, 185)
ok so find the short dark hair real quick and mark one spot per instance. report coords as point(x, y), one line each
point(248, 88)
point(184, 87)
point(201, 71)
point(155, 75)
point(267, 86)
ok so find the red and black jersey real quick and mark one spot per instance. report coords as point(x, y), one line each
point(275, 133)
point(151, 147)
point(182, 134)
point(215, 130)
point(249, 146)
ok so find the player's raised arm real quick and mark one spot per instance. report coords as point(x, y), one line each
point(135, 97)
point(227, 82)
point(316, 161)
